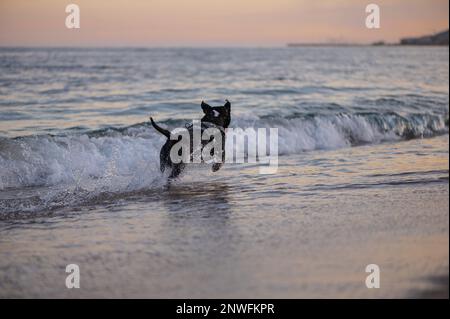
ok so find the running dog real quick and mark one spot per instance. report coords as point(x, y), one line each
point(218, 117)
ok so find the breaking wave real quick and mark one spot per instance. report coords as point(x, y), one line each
point(118, 160)
point(132, 153)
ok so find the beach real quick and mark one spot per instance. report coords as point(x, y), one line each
point(362, 174)
point(239, 237)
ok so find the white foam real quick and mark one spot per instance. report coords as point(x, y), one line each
point(79, 160)
point(125, 161)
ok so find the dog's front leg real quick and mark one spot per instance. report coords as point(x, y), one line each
point(217, 166)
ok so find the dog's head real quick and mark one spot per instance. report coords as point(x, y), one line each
point(218, 115)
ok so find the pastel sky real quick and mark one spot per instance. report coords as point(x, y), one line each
point(214, 22)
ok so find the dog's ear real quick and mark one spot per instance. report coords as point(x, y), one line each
point(227, 104)
point(205, 107)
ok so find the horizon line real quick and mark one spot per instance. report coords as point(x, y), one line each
point(287, 45)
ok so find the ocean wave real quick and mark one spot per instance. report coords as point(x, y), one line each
point(69, 170)
point(300, 132)
point(125, 158)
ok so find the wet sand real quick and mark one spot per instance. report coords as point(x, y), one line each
point(307, 232)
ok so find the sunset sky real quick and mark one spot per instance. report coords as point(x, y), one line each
point(214, 22)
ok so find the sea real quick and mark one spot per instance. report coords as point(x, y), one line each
point(362, 178)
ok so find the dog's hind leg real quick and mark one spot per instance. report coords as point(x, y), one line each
point(216, 167)
point(162, 164)
point(176, 170)
point(164, 157)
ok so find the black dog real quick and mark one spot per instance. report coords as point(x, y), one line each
point(218, 116)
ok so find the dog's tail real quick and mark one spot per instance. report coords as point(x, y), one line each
point(164, 132)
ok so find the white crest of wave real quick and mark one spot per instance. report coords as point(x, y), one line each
point(107, 162)
point(77, 167)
